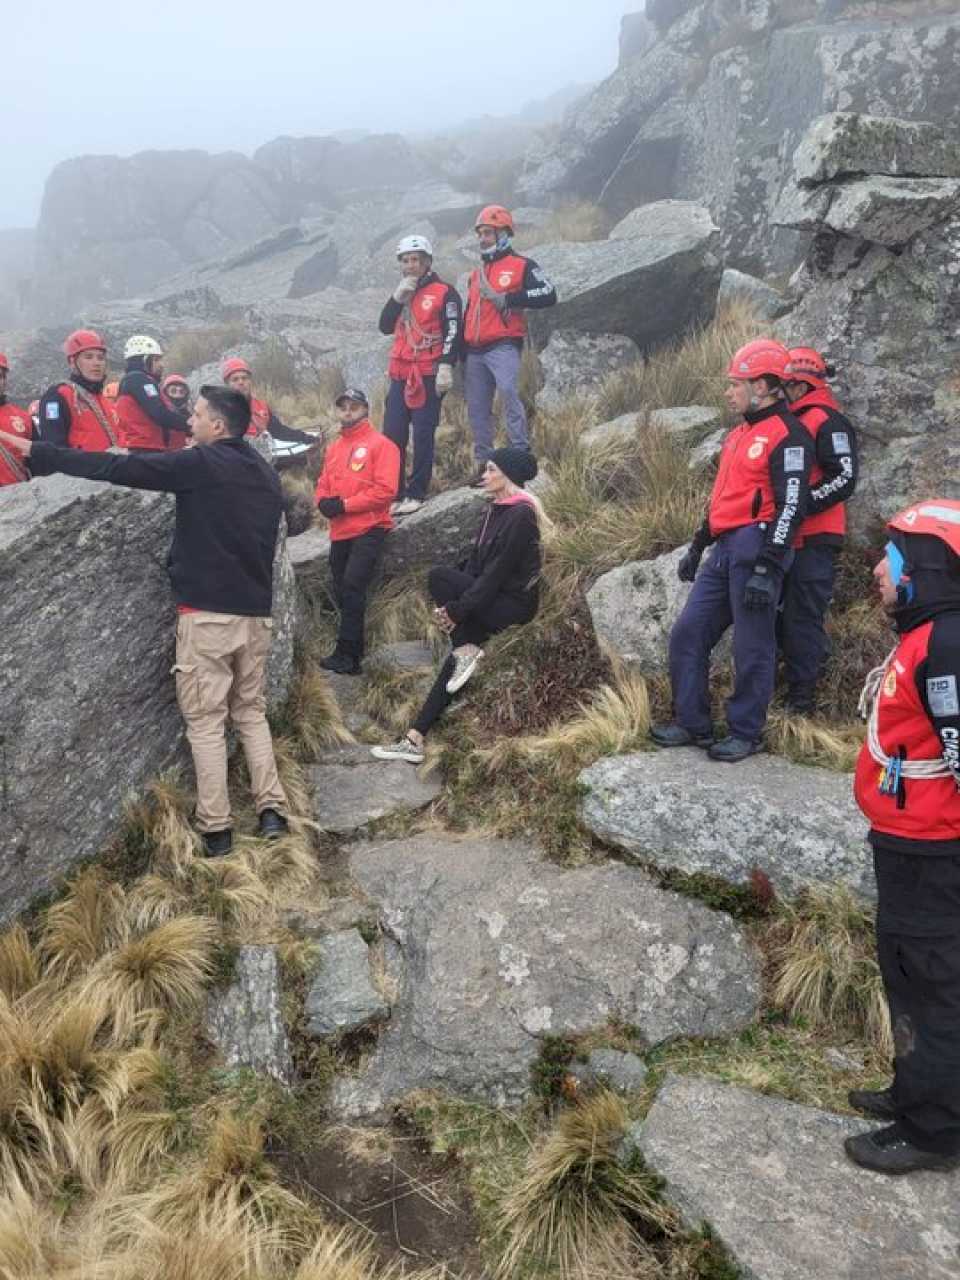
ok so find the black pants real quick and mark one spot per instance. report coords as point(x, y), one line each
point(353, 566)
point(918, 946)
point(445, 585)
point(807, 593)
point(397, 421)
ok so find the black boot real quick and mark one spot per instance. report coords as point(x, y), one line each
point(873, 1102)
point(341, 663)
point(675, 735)
point(732, 750)
point(891, 1151)
point(216, 843)
point(272, 824)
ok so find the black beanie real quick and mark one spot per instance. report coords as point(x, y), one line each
point(518, 465)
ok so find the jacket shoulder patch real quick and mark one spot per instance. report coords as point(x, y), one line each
point(793, 458)
point(942, 695)
point(841, 442)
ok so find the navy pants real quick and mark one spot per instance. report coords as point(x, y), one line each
point(397, 422)
point(716, 602)
point(353, 566)
point(807, 593)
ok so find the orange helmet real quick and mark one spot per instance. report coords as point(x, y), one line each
point(807, 365)
point(4, 363)
point(495, 215)
point(937, 517)
point(171, 378)
point(764, 357)
point(82, 340)
point(234, 365)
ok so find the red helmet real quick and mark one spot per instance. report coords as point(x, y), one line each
point(234, 365)
point(495, 215)
point(807, 365)
point(171, 378)
point(937, 517)
point(82, 340)
point(4, 363)
point(764, 357)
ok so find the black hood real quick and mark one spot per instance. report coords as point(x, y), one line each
point(95, 388)
point(934, 571)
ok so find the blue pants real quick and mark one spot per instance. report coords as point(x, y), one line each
point(807, 592)
point(397, 421)
point(486, 372)
point(715, 603)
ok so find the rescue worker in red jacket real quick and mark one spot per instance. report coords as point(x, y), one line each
point(147, 421)
point(758, 501)
point(358, 482)
point(501, 289)
point(907, 783)
point(16, 422)
point(808, 588)
point(77, 414)
point(238, 376)
point(176, 390)
point(424, 315)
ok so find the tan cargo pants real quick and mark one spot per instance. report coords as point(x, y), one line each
point(220, 672)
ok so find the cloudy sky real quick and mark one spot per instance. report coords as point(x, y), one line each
point(114, 78)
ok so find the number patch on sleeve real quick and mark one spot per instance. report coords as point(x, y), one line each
point(942, 695)
point(841, 442)
point(793, 459)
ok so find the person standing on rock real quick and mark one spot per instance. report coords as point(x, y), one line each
point(147, 422)
point(500, 290)
point(16, 422)
point(424, 315)
point(498, 587)
point(758, 501)
point(808, 587)
point(229, 505)
point(77, 414)
point(358, 483)
point(907, 783)
point(238, 376)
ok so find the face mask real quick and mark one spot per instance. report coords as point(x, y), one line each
point(897, 564)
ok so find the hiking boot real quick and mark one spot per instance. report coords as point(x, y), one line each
point(405, 749)
point(732, 750)
point(891, 1151)
point(463, 668)
point(216, 843)
point(675, 735)
point(873, 1102)
point(407, 507)
point(341, 663)
point(272, 824)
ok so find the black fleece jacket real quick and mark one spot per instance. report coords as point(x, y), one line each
point(505, 560)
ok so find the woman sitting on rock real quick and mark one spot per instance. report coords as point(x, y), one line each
point(498, 586)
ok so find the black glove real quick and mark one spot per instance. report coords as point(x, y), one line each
point(330, 507)
point(688, 566)
point(761, 589)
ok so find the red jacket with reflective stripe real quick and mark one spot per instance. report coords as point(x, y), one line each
point(139, 431)
point(363, 468)
point(931, 809)
point(16, 422)
point(482, 322)
point(819, 411)
point(421, 343)
point(86, 433)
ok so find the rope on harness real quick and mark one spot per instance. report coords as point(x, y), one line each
point(869, 709)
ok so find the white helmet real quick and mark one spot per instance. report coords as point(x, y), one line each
point(141, 345)
point(415, 244)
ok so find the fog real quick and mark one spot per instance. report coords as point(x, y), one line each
point(115, 78)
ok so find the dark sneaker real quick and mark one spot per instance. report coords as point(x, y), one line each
point(891, 1151)
point(732, 750)
point(216, 843)
point(873, 1102)
point(341, 663)
point(675, 735)
point(272, 824)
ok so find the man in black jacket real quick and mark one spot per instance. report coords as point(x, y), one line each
point(221, 569)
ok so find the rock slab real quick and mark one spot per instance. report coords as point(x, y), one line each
point(576, 365)
point(496, 948)
point(772, 1180)
point(351, 789)
point(245, 1022)
point(682, 811)
point(634, 607)
point(342, 997)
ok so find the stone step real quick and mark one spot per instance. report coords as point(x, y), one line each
point(352, 789)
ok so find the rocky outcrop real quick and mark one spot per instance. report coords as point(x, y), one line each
point(352, 789)
point(633, 609)
point(576, 364)
point(496, 948)
point(737, 286)
point(653, 280)
point(87, 706)
point(245, 1021)
point(772, 1180)
point(676, 809)
point(342, 997)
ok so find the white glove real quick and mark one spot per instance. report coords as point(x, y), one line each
point(405, 289)
point(444, 379)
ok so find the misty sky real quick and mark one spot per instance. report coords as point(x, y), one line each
point(116, 77)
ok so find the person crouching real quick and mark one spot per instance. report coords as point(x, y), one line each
point(354, 491)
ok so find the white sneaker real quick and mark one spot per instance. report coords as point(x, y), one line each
point(407, 507)
point(464, 667)
point(405, 749)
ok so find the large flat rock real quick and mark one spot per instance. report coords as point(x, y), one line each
point(352, 789)
point(496, 947)
point(681, 810)
point(772, 1180)
point(441, 532)
point(845, 144)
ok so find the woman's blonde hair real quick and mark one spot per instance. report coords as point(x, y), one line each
point(548, 530)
